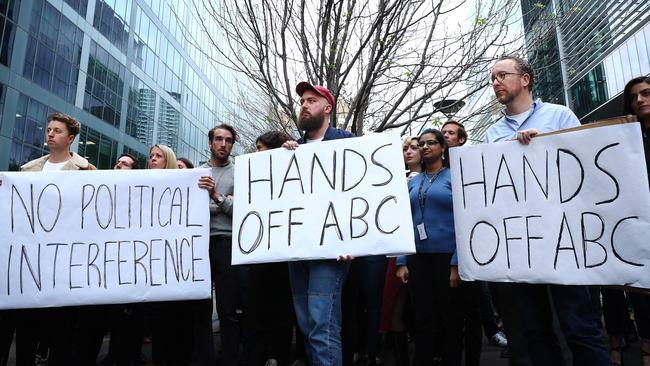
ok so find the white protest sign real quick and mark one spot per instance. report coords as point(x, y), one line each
point(570, 208)
point(322, 200)
point(102, 237)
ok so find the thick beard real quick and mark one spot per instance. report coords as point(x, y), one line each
point(313, 122)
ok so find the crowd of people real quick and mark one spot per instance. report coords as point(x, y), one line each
point(336, 312)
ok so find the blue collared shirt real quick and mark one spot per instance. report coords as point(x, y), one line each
point(545, 117)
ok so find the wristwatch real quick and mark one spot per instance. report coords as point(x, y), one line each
point(220, 198)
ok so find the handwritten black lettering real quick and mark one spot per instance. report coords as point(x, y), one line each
point(327, 224)
point(359, 217)
point(597, 163)
point(559, 174)
point(260, 233)
point(585, 239)
point(559, 247)
point(379, 207)
point(292, 223)
point(477, 182)
point(345, 172)
point(614, 250)
point(377, 163)
point(471, 243)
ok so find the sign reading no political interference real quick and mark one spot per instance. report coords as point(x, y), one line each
point(570, 208)
point(102, 237)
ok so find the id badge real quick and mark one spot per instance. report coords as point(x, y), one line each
point(422, 232)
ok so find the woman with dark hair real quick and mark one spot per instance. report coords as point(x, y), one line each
point(432, 272)
point(269, 316)
point(184, 163)
point(636, 100)
point(395, 292)
point(271, 140)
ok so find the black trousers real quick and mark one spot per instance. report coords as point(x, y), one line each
point(435, 304)
point(226, 279)
point(470, 294)
point(25, 324)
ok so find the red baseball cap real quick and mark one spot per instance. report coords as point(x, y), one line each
point(320, 90)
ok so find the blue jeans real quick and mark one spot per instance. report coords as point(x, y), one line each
point(316, 287)
point(576, 317)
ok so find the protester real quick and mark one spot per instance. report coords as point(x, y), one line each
point(636, 100)
point(362, 298)
point(184, 163)
point(168, 320)
point(269, 315)
point(316, 285)
point(523, 119)
point(225, 276)
point(59, 322)
point(395, 292)
point(455, 133)
point(470, 292)
point(125, 322)
point(126, 161)
point(432, 272)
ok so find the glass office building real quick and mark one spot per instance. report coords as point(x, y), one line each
point(584, 51)
point(133, 72)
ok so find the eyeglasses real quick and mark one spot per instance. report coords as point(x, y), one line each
point(428, 143)
point(501, 76)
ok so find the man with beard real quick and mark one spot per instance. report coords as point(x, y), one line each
point(530, 304)
point(225, 276)
point(316, 285)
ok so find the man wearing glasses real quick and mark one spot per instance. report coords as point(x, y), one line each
point(523, 119)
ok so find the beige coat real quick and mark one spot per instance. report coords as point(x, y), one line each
point(75, 163)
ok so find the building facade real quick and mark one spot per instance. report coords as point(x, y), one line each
point(133, 72)
point(584, 51)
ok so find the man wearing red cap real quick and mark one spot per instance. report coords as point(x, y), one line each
point(317, 284)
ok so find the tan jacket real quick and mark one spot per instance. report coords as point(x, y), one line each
point(75, 163)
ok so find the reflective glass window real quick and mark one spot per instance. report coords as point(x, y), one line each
point(53, 50)
point(644, 52)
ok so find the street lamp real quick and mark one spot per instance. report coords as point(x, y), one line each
point(449, 107)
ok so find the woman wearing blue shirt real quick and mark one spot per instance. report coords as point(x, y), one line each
point(432, 272)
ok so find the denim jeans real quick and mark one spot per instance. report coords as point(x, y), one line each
point(575, 314)
point(316, 287)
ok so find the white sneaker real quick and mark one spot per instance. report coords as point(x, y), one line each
point(271, 362)
point(499, 339)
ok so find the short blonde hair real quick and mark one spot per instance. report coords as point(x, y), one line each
point(170, 157)
point(407, 141)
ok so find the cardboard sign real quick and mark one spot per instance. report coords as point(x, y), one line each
point(322, 200)
point(102, 237)
point(570, 208)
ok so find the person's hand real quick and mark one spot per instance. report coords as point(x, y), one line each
point(402, 273)
point(290, 145)
point(525, 136)
point(344, 258)
point(206, 182)
point(454, 278)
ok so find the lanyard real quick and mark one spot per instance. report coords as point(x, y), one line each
point(422, 197)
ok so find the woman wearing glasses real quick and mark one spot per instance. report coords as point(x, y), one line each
point(432, 272)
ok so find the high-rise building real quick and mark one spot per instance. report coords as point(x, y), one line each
point(584, 51)
point(133, 72)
